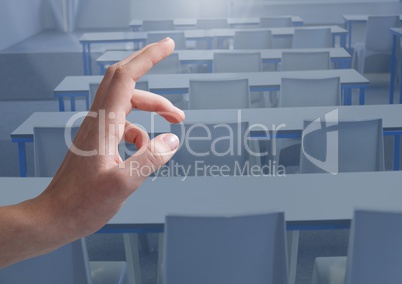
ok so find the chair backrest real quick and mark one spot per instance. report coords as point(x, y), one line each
point(305, 60)
point(222, 249)
point(342, 146)
point(142, 85)
point(378, 36)
point(219, 94)
point(256, 39)
point(49, 149)
point(177, 36)
point(301, 92)
point(169, 65)
point(66, 265)
point(312, 38)
point(93, 88)
point(206, 24)
point(276, 22)
point(207, 145)
point(375, 248)
point(228, 62)
point(158, 25)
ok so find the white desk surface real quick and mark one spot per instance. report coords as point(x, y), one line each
point(290, 118)
point(191, 34)
point(358, 18)
point(231, 21)
point(181, 81)
point(304, 198)
point(397, 31)
point(208, 54)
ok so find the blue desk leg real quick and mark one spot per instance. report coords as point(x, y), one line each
point(397, 143)
point(209, 66)
point(72, 98)
point(89, 57)
point(84, 58)
point(102, 69)
point(362, 96)
point(343, 40)
point(348, 27)
point(393, 65)
point(347, 96)
point(61, 104)
point(22, 159)
point(209, 43)
point(87, 101)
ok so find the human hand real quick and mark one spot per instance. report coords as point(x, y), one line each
point(88, 190)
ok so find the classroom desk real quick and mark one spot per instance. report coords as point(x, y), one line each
point(78, 86)
point(396, 36)
point(349, 21)
point(289, 125)
point(335, 197)
point(139, 38)
point(190, 23)
point(339, 56)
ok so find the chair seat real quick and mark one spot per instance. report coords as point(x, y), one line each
point(329, 270)
point(108, 272)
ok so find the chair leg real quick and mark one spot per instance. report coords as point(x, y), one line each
point(132, 258)
point(293, 248)
point(160, 258)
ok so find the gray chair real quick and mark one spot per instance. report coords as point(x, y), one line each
point(170, 65)
point(297, 92)
point(252, 39)
point(177, 36)
point(376, 49)
point(206, 145)
point(276, 22)
point(50, 147)
point(312, 38)
point(342, 146)
point(213, 250)
point(234, 62)
point(219, 94)
point(158, 25)
point(66, 265)
point(374, 253)
point(303, 92)
point(305, 60)
point(206, 24)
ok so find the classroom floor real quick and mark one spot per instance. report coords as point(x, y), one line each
point(30, 70)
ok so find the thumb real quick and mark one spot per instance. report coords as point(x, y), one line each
point(152, 156)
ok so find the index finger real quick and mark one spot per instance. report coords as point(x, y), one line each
point(120, 96)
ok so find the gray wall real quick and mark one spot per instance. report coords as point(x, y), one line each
point(19, 19)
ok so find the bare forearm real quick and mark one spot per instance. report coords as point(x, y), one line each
point(26, 232)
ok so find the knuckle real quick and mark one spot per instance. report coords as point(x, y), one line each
point(154, 159)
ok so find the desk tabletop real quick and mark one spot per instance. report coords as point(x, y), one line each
point(359, 18)
point(192, 34)
point(397, 31)
point(231, 21)
point(163, 82)
point(305, 198)
point(208, 54)
point(288, 118)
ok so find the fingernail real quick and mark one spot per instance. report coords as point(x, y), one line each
point(171, 140)
point(165, 39)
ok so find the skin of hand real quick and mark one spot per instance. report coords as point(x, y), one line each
point(88, 190)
